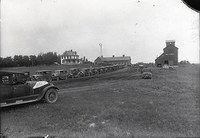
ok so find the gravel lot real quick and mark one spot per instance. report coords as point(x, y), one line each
point(117, 104)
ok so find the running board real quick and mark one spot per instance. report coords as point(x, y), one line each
point(16, 103)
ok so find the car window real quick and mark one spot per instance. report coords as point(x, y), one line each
point(5, 80)
point(48, 72)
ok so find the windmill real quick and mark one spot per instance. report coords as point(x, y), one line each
point(101, 54)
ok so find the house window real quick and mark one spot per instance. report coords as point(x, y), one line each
point(166, 62)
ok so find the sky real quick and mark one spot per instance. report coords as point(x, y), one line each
point(136, 28)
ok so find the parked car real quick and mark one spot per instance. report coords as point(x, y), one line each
point(73, 73)
point(15, 88)
point(115, 67)
point(85, 72)
point(146, 75)
point(45, 75)
point(109, 68)
point(121, 66)
point(60, 75)
point(94, 71)
point(104, 69)
point(99, 69)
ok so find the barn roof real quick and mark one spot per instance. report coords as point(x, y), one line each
point(115, 58)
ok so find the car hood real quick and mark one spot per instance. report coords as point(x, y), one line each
point(37, 75)
point(37, 84)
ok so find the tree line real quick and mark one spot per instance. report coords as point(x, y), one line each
point(32, 60)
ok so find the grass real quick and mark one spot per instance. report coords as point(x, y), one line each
point(115, 105)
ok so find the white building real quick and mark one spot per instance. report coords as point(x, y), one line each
point(70, 58)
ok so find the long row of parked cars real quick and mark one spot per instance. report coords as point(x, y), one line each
point(64, 74)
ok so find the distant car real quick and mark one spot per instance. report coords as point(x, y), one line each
point(99, 69)
point(94, 71)
point(85, 72)
point(115, 67)
point(146, 75)
point(104, 69)
point(74, 73)
point(45, 75)
point(121, 66)
point(16, 89)
point(60, 75)
point(109, 68)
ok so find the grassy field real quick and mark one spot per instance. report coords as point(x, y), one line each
point(117, 104)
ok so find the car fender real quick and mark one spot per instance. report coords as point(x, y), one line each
point(46, 89)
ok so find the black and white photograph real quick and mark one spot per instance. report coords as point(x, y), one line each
point(99, 69)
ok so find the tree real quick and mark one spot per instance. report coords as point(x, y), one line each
point(8, 62)
point(33, 60)
point(39, 60)
point(184, 62)
point(25, 61)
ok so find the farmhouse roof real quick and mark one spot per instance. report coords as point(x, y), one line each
point(69, 53)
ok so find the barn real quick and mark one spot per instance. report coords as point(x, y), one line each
point(169, 55)
point(126, 60)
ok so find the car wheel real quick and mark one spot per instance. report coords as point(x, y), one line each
point(51, 96)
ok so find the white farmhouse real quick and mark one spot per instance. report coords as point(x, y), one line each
point(70, 58)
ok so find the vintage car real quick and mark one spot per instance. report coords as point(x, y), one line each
point(116, 67)
point(60, 75)
point(15, 88)
point(85, 72)
point(104, 69)
point(45, 75)
point(109, 68)
point(94, 71)
point(146, 75)
point(99, 70)
point(73, 73)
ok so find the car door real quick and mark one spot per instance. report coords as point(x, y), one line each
point(6, 90)
point(21, 90)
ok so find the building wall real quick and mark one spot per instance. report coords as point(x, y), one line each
point(167, 59)
point(169, 56)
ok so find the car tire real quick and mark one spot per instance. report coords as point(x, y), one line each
point(51, 96)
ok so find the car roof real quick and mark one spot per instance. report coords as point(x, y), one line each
point(73, 68)
point(61, 70)
point(85, 68)
point(42, 70)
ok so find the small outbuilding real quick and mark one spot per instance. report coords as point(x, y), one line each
point(169, 56)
